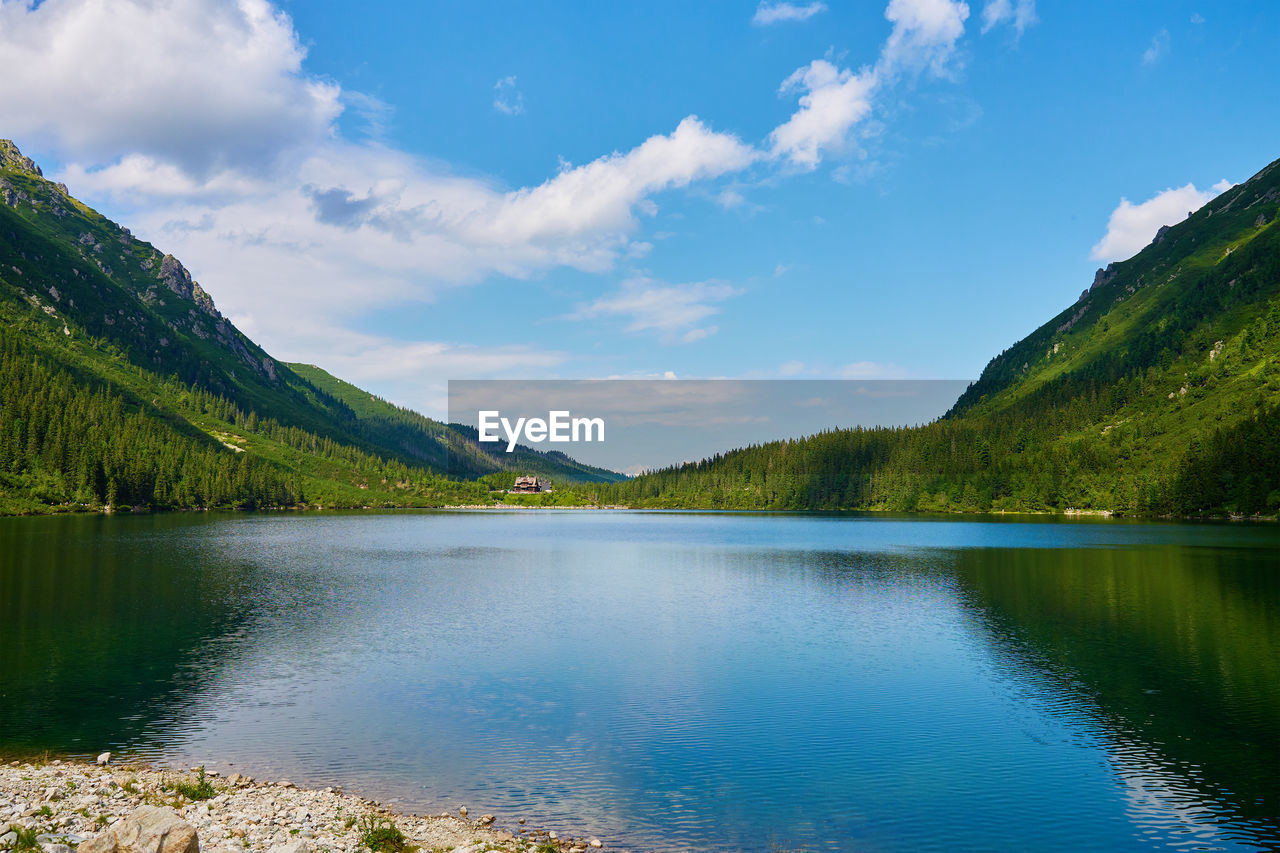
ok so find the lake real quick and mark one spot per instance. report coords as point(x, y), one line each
point(677, 680)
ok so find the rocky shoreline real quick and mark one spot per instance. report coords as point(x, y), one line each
point(58, 806)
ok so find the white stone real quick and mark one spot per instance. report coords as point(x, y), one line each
point(295, 846)
point(104, 759)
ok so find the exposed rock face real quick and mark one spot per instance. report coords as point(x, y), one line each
point(204, 300)
point(12, 158)
point(1075, 318)
point(150, 829)
point(1103, 276)
point(1160, 232)
point(174, 274)
point(1260, 221)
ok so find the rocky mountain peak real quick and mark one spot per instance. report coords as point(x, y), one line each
point(14, 160)
point(1103, 276)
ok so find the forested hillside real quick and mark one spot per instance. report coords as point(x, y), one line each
point(463, 454)
point(1155, 393)
point(121, 384)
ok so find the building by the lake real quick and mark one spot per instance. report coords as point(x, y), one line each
point(530, 486)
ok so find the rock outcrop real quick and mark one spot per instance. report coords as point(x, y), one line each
point(175, 275)
point(150, 829)
point(13, 159)
point(1103, 276)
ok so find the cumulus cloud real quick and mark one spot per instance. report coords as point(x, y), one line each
point(601, 195)
point(1021, 14)
point(924, 36)
point(775, 13)
point(508, 99)
point(675, 311)
point(203, 85)
point(833, 101)
point(1132, 226)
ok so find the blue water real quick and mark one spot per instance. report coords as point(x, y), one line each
point(677, 680)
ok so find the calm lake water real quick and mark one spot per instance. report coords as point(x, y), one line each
point(677, 680)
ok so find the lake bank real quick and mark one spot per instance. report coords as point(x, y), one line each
point(1030, 514)
point(68, 802)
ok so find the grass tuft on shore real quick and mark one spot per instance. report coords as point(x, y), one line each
point(381, 835)
point(201, 789)
point(26, 841)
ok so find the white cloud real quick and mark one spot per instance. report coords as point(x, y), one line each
point(730, 198)
point(674, 310)
point(375, 114)
point(774, 13)
point(1132, 226)
point(355, 228)
point(508, 99)
point(1158, 48)
point(698, 334)
point(1197, 18)
point(834, 100)
point(203, 85)
point(924, 36)
point(872, 370)
point(1020, 13)
point(791, 368)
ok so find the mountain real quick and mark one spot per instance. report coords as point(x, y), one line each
point(463, 453)
point(121, 383)
point(1156, 392)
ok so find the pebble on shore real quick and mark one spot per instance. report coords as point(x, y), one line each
point(104, 808)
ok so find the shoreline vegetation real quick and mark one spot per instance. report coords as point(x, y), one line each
point(58, 805)
point(45, 510)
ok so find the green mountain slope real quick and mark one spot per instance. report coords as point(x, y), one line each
point(457, 447)
point(1156, 392)
point(121, 383)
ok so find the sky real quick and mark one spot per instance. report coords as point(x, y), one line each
point(410, 192)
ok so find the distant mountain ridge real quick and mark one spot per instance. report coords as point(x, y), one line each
point(112, 325)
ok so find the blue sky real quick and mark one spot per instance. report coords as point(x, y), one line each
point(408, 192)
